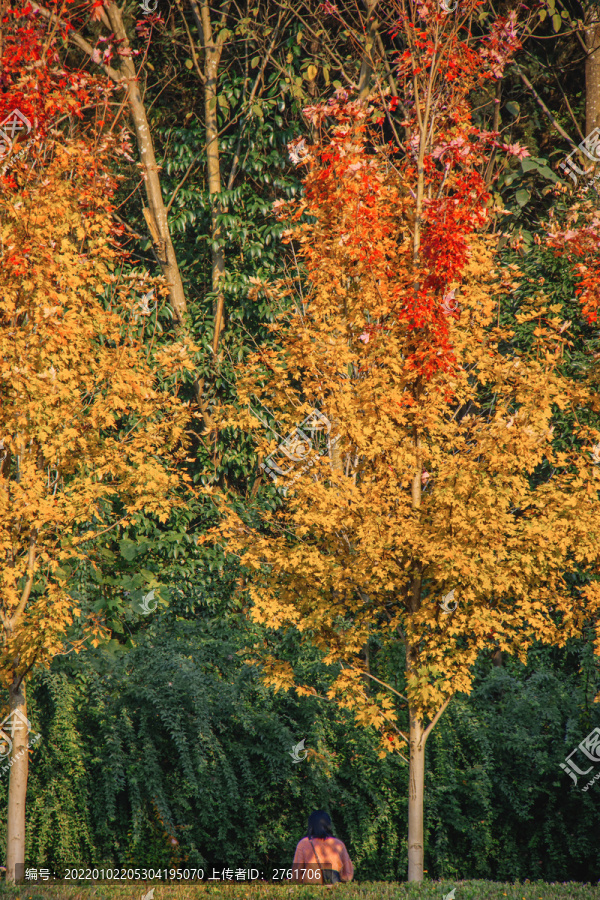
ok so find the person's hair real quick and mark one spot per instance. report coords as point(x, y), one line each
point(319, 824)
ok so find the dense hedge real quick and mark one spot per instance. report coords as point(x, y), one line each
point(465, 890)
point(173, 752)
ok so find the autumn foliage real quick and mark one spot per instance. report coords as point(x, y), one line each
point(425, 492)
point(89, 435)
point(441, 475)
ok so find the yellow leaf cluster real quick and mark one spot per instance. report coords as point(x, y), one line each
point(87, 436)
point(422, 492)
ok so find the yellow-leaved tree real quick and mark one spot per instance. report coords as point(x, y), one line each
point(415, 457)
point(89, 434)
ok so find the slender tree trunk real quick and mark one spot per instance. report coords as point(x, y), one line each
point(213, 49)
point(156, 215)
point(212, 56)
point(592, 75)
point(312, 82)
point(17, 786)
point(416, 769)
point(417, 738)
point(489, 171)
point(16, 727)
point(416, 788)
point(367, 65)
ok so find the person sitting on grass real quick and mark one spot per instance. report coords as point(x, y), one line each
point(320, 857)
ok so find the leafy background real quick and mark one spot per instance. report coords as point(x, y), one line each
point(162, 747)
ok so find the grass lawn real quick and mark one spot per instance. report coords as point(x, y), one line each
point(429, 890)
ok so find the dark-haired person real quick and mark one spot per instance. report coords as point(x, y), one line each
point(320, 857)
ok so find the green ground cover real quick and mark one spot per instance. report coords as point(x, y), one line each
point(430, 890)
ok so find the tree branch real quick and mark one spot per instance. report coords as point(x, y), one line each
point(435, 719)
point(382, 683)
point(541, 103)
point(14, 620)
point(80, 42)
point(257, 80)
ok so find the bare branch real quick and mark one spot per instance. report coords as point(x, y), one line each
point(382, 683)
point(541, 103)
point(435, 719)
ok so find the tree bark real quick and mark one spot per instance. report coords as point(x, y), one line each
point(17, 786)
point(592, 75)
point(416, 788)
point(367, 65)
point(213, 49)
point(212, 58)
point(417, 737)
point(156, 216)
